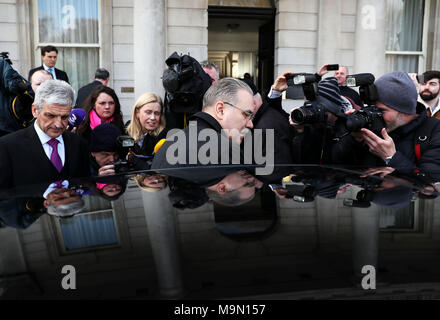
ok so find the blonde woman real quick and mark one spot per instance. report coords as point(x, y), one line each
point(147, 125)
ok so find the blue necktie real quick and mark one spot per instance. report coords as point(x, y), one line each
point(51, 71)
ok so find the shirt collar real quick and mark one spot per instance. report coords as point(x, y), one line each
point(47, 68)
point(435, 108)
point(208, 119)
point(44, 138)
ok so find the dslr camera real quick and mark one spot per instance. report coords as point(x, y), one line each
point(315, 108)
point(133, 162)
point(299, 191)
point(369, 117)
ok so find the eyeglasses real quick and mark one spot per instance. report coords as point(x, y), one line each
point(246, 113)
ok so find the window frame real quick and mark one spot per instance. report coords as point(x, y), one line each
point(423, 54)
point(418, 216)
point(38, 45)
point(53, 235)
point(60, 238)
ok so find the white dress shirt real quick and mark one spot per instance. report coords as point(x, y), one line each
point(53, 186)
point(435, 108)
point(52, 73)
point(44, 139)
point(273, 94)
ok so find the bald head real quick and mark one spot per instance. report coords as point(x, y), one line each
point(38, 77)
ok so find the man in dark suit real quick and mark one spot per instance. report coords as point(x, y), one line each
point(49, 56)
point(228, 107)
point(45, 151)
point(101, 79)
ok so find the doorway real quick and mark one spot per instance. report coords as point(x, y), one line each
point(241, 40)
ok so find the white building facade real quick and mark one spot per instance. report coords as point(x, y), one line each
point(132, 38)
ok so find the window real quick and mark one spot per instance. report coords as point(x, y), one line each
point(406, 219)
point(73, 26)
point(407, 35)
point(95, 227)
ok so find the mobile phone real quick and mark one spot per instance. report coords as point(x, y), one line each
point(420, 78)
point(331, 67)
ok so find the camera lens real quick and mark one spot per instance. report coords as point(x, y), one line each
point(355, 123)
point(298, 116)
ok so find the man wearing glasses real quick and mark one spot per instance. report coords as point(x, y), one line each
point(214, 135)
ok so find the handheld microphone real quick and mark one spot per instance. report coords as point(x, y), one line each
point(76, 118)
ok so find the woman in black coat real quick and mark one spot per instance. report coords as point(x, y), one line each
point(101, 106)
point(147, 126)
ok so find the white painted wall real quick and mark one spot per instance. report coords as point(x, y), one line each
point(9, 31)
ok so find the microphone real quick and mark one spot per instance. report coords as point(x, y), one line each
point(76, 118)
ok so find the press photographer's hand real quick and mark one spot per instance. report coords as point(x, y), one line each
point(323, 70)
point(298, 127)
point(383, 148)
point(107, 170)
point(280, 83)
point(381, 171)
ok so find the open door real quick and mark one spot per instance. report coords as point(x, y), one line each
point(266, 49)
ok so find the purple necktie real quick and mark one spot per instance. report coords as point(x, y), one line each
point(55, 157)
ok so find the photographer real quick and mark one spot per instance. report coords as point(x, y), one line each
point(410, 140)
point(315, 139)
point(16, 98)
point(341, 76)
point(103, 149)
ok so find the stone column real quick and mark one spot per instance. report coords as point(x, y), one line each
point(370, 37)
point(161, 224)
point(150, 28)
point(329, 33)
point(11, 254)
point(327, 211)
point(365, 223)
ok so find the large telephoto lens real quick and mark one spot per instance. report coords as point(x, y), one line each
point(304, 115)
point(355, 122)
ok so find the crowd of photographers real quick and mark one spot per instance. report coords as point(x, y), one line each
point(387, 124)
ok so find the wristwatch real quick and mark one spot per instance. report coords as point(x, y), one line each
point(388, 160)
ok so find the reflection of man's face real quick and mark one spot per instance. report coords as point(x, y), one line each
point(52, 118)
point(112, 190)
point(240, 181)
point(103, 158)
point(61, 196)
